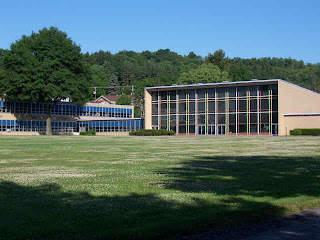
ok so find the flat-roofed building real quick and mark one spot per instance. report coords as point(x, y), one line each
point(256, 107)
point(25, 118)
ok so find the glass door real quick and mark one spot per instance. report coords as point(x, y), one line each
point(274, 129)
point(202, 130)
point(221, 129)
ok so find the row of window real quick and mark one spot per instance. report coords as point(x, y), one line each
point(212, 93)
point(231, 118)
point(61, 126)
point(64, 110)
point(244, 105)
point(224, 129)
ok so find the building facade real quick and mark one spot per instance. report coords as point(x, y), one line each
point(257, 107)
point(24, 117)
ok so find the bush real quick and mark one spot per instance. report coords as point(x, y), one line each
point(152, 132)
point(295, 132)
point(309, 131)
point(88, 133)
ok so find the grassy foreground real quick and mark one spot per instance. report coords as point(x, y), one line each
point(150, 187)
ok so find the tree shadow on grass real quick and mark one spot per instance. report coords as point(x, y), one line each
point(256, 176)
point(47, 212)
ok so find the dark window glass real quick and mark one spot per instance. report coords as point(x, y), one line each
point(274, 88)
point(192, 129)
point(253, 90)
point(275, 104)
point(221, 118)
point(232, 128)
point(264, 117)
point(192, 119)
point(264, 90)
point(192, 107)
point(182, 129)
point(221, 106)
point(173, 120)
point(242, 106)
point(211, 93)
point(192, 94)
point(201, 106)
point(182, 94)
point(253, 117)
point(211, 106)
point(253, 128)
point(242, 118)
point(163, 96)
point(173, 95)
point(232, 118)
point(182, 107)
point(232, 105)
point(182, 119)
point(173, 128)
point(201, 93)
point(201, 119)
point(211, 119)
point(163, 120)
point(264, 128)
point(242, 128)
point(155, 109)
point(242, 91)
point(232, 92)
point(253, 105)
point(221, 92)
point(173, 107)
point(163, 108)
point(264, 104)
point(274, 117)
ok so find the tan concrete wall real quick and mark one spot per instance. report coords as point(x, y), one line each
point(294, 99)
point(147, 110)
point(19, 134)
point(293, 122)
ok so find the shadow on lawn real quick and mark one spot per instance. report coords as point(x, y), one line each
point(46, 212)
point(256, 176)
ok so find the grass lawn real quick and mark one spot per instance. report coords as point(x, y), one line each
point(83, 187)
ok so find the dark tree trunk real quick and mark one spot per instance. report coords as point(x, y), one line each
point(48, 127)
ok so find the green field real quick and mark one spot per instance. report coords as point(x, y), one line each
point(151, 187)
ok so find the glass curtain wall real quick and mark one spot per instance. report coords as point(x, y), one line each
point(64, 110)
point(245, 110)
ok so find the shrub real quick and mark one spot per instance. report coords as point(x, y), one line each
point(88, 133)
point(295, 132)
point(151, 132)
point(309, 131)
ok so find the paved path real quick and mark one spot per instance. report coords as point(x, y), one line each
point(304, 225)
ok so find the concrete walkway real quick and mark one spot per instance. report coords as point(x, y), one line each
point(300, 226)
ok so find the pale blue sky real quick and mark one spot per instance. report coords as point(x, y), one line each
point(243, 28)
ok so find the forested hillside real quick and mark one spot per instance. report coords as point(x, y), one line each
point(119, 72)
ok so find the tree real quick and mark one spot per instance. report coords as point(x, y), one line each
point(99, 79)
point(124, 100)
point(241, 74)
point(219, 58)
point(114, 85)
point(206, 73)
point(46, 67)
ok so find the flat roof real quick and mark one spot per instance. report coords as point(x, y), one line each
point(108, 119)
point(220, 84)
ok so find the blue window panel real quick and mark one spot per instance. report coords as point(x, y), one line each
point(1, 103)
point(105, 123)
point(104, 110)
point(112, 110)
point(116, 124)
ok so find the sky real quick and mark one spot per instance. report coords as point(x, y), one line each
point(242, 28)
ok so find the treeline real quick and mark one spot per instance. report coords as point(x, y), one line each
point(165, 67)
point(129, 72)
